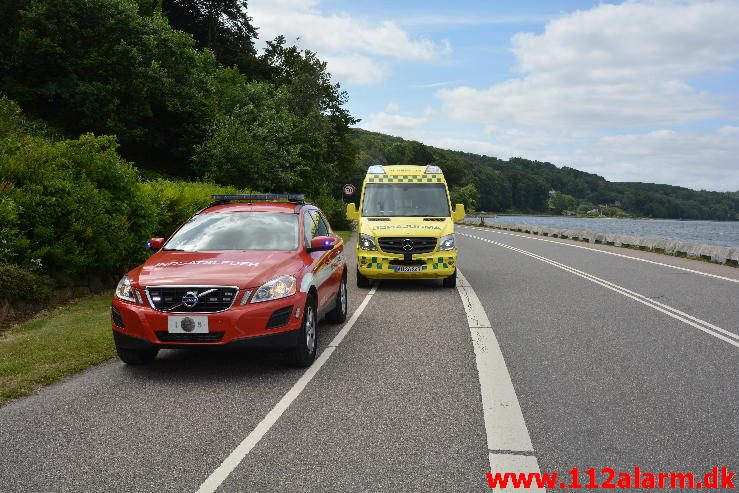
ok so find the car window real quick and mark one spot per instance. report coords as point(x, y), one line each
point(310, 227)
point(237, 231)
point(323, 229)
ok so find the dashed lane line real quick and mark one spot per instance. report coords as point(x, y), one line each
point(605, 252)
point(702, 325)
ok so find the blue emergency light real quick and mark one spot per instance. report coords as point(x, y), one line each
point(255, 197)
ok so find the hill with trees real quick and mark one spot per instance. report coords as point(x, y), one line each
point(522, 185)
point(119, 118)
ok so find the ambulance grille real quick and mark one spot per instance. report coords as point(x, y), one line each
point(401, 245)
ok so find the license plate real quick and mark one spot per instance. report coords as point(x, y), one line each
point(407, 268)
point(187, 325)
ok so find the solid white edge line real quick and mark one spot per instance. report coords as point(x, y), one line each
point(505, 427)
point(606, 252)
point(220, 474)
point(701, 325)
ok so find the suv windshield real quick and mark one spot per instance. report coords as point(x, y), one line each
point(401, 199)
point(237, 231)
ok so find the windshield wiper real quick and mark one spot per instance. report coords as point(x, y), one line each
point(173, 250)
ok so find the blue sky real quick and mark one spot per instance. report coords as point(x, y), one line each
point(633, 91)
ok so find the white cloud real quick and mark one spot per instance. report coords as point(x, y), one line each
point(392, 123)
point(611, 66)
point(593, 83)
point(341, 39)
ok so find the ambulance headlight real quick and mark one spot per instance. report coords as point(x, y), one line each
point(447, 242)
point(280, 287)
point(367, 242)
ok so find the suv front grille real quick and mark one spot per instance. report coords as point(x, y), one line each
point(191, 299)
point(209, 337)
point(407, 245)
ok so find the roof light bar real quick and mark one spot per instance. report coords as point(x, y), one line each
point(432, 169)
point(376, 169)
point(254, 197)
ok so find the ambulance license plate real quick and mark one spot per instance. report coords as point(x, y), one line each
point(407, 268)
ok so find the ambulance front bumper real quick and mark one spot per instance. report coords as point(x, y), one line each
point(378, 265)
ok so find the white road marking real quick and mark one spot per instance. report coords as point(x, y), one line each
point(504, 423)
point(653, 262)
point(695, 322)
point(252, 439)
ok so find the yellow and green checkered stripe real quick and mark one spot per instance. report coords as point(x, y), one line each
point(430, 178)
point(434, 263)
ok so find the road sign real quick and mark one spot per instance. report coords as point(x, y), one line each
point(348, 189)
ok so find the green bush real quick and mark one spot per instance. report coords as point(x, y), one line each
point(76, 206)
point(18, 283)
point(174, 201)
point(335, 211)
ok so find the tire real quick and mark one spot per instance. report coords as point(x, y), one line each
point(304, 352)
point(362, 281)
point(338, 314)
point(137, 356)
point(451, 281)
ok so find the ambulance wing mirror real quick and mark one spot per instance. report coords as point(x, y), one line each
point(351, 212)
point(458, 213)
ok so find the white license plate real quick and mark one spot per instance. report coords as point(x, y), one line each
point(407, 268)
point(187, 325)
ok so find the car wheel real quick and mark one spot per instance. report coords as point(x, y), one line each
point(137, 356)
point(304, 352)
point(451, 281)
point(362, 281)
point(338, 314)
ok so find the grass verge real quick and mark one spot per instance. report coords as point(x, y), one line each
point(344, 234)
point(46, 349)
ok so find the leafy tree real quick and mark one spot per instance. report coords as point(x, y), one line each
point(98, 66)
point(467, 195)
point(222, 26)
point(561, 202)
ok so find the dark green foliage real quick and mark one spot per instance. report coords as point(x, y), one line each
point(467, 195)
point(99, 66)
point(73, 207)
point(222, 26)
point(523, 185)
point(19, 283)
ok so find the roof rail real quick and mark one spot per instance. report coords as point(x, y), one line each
point(219, 199)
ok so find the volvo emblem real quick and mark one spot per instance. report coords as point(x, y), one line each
point(407, 245)
point(190, 299)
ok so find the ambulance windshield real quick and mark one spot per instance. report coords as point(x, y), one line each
point(405, 199)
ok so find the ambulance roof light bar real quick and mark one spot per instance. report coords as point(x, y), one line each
point(430, 169)
point(376, 169)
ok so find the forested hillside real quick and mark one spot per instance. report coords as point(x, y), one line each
point(492, 184)
point(119, 118)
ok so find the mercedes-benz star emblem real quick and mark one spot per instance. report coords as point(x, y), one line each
point(190, 299)
point(187, 324)
point(407, 245)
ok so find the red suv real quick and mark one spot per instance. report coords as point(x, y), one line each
point(252, 270)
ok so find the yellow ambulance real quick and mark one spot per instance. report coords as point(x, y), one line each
point(405, 225)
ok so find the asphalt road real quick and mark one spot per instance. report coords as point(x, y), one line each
point(414, 395)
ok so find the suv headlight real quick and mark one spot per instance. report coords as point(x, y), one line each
point(280, 287)
point(367, 242)
point(447, 242)
point(125, 291)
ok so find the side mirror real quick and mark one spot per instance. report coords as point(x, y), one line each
point(155, 243)
point(459, 213)
point(351, 212)
point(322, 243)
